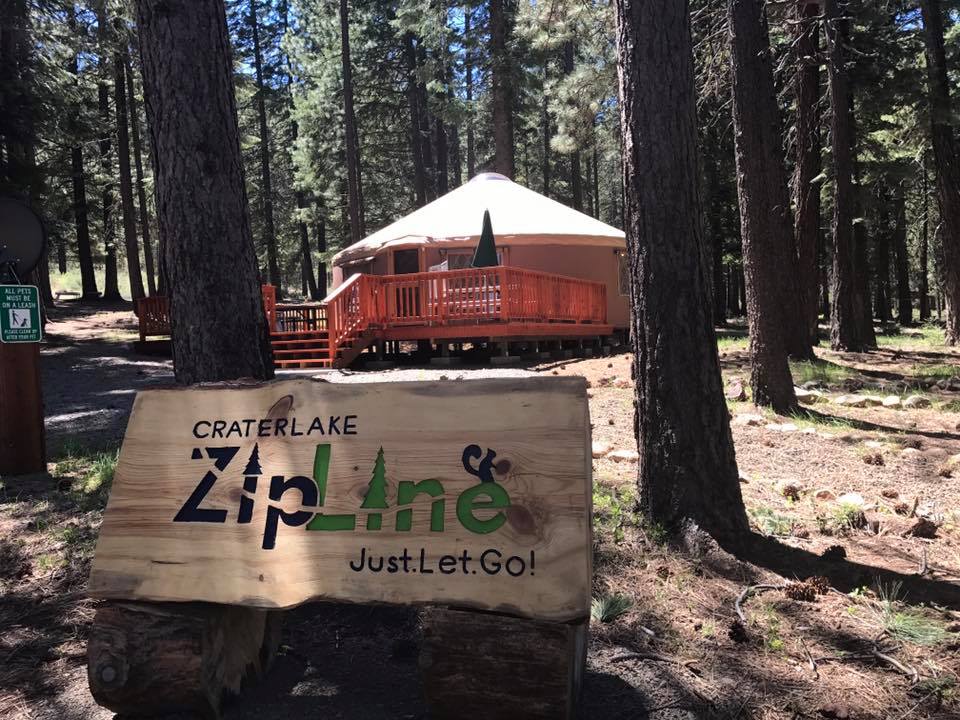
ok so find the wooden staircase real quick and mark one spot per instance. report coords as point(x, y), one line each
point(311, 349)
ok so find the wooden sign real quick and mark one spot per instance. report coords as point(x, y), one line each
point(469, 493)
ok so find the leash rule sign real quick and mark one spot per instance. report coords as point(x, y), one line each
point(468, 493)
point(20, 314)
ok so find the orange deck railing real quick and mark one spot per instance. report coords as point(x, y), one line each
point(456, 297)
point(503, 294)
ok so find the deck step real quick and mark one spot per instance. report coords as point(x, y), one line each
point(302, 341)
point(301, 350)
point(302, 362)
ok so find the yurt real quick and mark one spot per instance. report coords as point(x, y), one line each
point(531, 231)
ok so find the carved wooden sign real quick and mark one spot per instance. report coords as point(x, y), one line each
point(469, 493)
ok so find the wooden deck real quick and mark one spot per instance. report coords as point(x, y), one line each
point(477, 304)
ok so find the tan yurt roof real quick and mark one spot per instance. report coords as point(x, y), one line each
point(519, 216)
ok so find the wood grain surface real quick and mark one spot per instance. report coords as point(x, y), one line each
point(533, 503)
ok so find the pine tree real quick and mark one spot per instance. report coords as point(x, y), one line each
point(764, 209)
point(687, 466)
point(204, 222)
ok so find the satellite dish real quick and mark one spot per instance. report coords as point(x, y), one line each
point(22, 239)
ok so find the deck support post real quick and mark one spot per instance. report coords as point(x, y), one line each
point(476, 664)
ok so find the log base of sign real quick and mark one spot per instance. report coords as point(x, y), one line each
point(156, 658)
point(476, 664)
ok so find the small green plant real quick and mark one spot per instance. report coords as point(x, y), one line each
point(769, 522)
point(732, 343)
point(934, 372)
point(846, 517)
point(656, 532)
point(613, 509)
point(772, 641)
point(49, 561)
point(819, 371)
point(608, 608)
point(904, 623)
point(100, 474)
point(928, 335)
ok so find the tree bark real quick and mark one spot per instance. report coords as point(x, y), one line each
point(413, 104)
point(175, 657)
point(501, 87)
point(138, 165)
point(128, 213)
point(595, 192)
point(321, 229)
point(88, 278)
point(904, 301)
point(765, 223)
point(266, 191)
point(860, 242)
point(844, 322)
point(945, 160)
point(576, 178)
point(111, 289)
point(468, 78)
point(808, 164)
point(219, 330)
point(545, 131)
point(352, 142)
point(881, 297)
point(306, 259)
point(923, 287)
point(687, 468)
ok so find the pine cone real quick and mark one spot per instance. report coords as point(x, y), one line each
point(819, 583)
point(801, 591)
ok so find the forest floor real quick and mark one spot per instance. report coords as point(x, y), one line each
point(864, 497)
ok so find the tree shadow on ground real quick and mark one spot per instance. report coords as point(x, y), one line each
point(845, 575)
point(868, 426)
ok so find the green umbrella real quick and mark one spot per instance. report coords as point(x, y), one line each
point(486, 252)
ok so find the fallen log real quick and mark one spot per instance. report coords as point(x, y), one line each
point(476, 664)
point(155, 658)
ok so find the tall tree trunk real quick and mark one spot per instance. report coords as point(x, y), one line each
point(127, 210)
point(712, 224)
point(218, 324)
point(111, 289)
point(440, 138)
point(844, 321)
point(687, 468)
point(904, 302)
point(426, 133)
point(545, 133)
point(468, 78)
point(595, 192)
point(138, 165)
point(945, 160)
point(321, 229)
point(310, 280)
point(88, 278)
point(808, 165)
point(269, 232)
point(765, 225)
point(501, 86)
point(923, 287)
point(860, 242)
point(413, 103)
point(576, 179)
point(354, 183)
point(881, 297)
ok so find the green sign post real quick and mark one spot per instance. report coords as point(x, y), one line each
point(19, 314)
